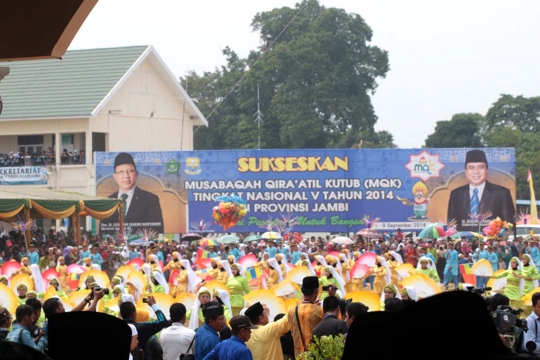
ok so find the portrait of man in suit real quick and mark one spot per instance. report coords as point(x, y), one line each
point(141, 208)
point(479, 196)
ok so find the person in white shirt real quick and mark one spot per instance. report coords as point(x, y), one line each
point(177, 339)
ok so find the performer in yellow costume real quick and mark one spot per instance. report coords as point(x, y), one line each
point(265, 269)
point(224, 271)
point(382, 275)
point(214, 271)
point(275, 276)
point(394, 260)
point(61, 267)
point(173, 265)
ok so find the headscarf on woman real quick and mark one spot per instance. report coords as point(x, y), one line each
point(274, 264)
point(193, 279)
point(304, 256)
point(161, 280)
point(194, 319)
point(39, 285)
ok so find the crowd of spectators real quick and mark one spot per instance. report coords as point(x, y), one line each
point(48, 157)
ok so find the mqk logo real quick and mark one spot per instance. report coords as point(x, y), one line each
point(424, 165)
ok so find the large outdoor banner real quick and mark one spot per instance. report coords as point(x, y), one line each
point(326, 190)
point(23, 175)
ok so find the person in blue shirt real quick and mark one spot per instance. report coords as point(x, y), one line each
point(95, 256)
point(156, 251)
point(19, 331)
point(133, 254)
point(234, 251)
point(481, 253)
point(234, 348)
point(493, 258)
point(295, 254)
point(34, 256)
point(283, 250)
point(85, 253)
point(452, 268)
point(535, 253)
point(212, 252)
point(271, 249)
point(207, 337)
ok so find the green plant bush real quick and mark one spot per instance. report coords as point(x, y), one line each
point(324, 348)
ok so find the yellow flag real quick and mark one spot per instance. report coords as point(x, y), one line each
point(534, 211)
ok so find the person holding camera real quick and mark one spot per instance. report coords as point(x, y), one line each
point(531, 338)
point(145, 330)
point(54, 305)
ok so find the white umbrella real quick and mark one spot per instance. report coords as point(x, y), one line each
point(271, 235)
point(342, 240)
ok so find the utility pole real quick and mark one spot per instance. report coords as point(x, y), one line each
point(258, 117)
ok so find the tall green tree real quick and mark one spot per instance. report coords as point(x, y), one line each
point(316, 71)
point(460, 131)
point(516, 112)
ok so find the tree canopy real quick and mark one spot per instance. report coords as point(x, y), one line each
point(316, 70)
point(460, 131)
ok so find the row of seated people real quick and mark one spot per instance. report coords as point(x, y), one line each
point(41, 160)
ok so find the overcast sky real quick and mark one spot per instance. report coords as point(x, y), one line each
point(446, 56)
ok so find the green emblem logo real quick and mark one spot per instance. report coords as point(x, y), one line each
point(172, 166)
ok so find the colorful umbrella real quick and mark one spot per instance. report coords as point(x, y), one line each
point(140, 242)
point(368, 258)
point(423, 284)
point(370, 234)
point(191, 237)
point(10, 267)
point(75, 269)
point(285, 288)
point(290, 266)
point(359, 270)
point(481, 267)
point(253, 238)
point(48, 274)
point(275, 304)
point(342, 240)
point(207, 242)
point(467, 234)
point(432, 232)
point(248, 260)
point(227, 239)
point(368, 298)
point(271, 235)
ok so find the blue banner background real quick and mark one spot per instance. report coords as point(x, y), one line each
point(381, 164)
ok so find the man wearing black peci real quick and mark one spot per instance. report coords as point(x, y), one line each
point(479, 196)
point(140, 208)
